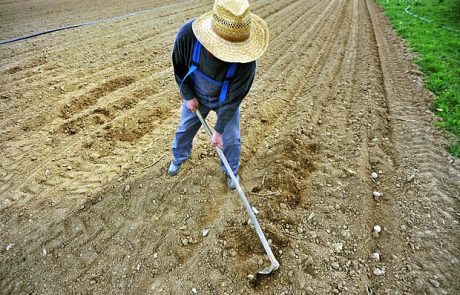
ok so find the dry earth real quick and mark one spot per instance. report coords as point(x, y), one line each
point(87, 120)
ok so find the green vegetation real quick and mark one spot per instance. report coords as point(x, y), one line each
point(438, 46)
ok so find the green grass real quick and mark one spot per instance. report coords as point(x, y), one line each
point(438, 53)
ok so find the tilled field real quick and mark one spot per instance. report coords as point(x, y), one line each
point(87, 121)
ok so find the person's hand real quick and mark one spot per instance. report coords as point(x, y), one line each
point(216, 140)
point(192, 104)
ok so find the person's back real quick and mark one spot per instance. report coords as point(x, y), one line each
point(214, 66)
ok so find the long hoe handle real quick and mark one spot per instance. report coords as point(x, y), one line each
point(274, 263)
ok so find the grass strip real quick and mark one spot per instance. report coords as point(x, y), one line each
point(432, 30)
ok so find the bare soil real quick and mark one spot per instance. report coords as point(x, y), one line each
point(87, 118)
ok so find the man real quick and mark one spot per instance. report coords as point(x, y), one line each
point(214, 65)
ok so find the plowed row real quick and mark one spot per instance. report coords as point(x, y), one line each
point(87, 121)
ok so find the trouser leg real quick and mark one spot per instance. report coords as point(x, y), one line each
point(232, 143)
point(188, 127)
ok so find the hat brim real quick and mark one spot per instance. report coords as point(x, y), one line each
point(240, 52)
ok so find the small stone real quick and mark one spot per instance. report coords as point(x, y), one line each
point(9, 246)
point(250, 277)
point(308, 260)
point(374, 175)
point(92, 282)
point(375, 256)
point(194, 291)
point(205, 232)
point(337, 247)
point(376, 194)
point(127, 188)
point(283, 206)
point(335, 291)
point(351, 172)
point(435, 283)
point(410, 178)
point(184, 242)
point(379, 271)
point(346, 233)
point(44, 252)
point(335, 265)
point(155, 256)
point(377, 229)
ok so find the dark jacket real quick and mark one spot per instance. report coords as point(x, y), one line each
point(213, 68)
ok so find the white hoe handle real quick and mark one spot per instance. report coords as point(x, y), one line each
point(274, 263)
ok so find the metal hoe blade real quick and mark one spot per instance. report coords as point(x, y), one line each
point(274, 263)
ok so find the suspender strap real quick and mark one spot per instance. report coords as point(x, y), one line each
point(196, 52)
point(195, 61)
point(230, 72)
point(194, 65)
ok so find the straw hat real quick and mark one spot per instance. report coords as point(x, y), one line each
point(231, 33)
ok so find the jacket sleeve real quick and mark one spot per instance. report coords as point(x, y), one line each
point(238, 89)
point(183, 46)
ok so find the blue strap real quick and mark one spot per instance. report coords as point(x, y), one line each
point(230, 72)
point(196, 52)
point(195, 61)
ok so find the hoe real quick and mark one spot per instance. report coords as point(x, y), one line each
point(274, 263)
